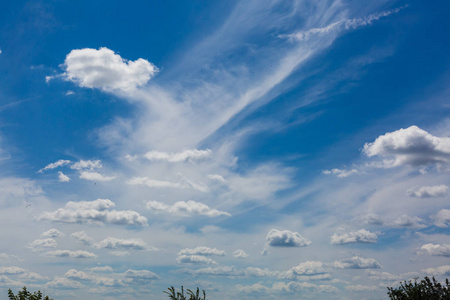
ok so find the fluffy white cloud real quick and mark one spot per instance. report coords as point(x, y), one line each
point(103, 69)
point(215, 271)
point(357, 262)
point(383, 276)
point(154, 183)
point(11, 270)
point(195, 259)
point(258, 272)
point(82, 237)
point(140, 275)
point(407, 221)
point(88, 165)
point(186, 208)
point(294, 286)
point(286, 238)
point(202, 251)
point(410, 146)
point(308, 268)
point(127, 244)
point(340, 173)
point(429, 191)
point(192, 155)
point(442, 218)
point(252, 289)
point(94, 211)
point(240, 254)
point(31, 276)
point(72, 254)
point(361, 288)
point(360, 236)
point(435, 250)
point(59, 163)
point(95, 176)
point(442, 270)
point(63, 283)
point(52, 233)
point(39, 244)
point(105, 269)
point(77, 275)
point(62, 177)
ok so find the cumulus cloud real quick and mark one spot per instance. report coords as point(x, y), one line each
point(429, 191)
point(82, 237)
point(72, 254)
point(240, 254)
point(202, 251)
point(88, 165)
point(408, 221)
point(186, 208)
point(340, 173)
point(435, 250)
point(105, 70)
point(62, 177)
point(94, 212)
point(442, 270)
point(95, 176)
point(127, 244)
point(140, 275)
point(195, 259)
point(11, 270)
point(411, 146)
point(77, 275)
point(52, 233)
point(361, 288)
point(295, 286)
point(40, 244)
point(360, 236)
point(59, 163)
point(192, 155)
point(63, 283)
point(308, 268)
point(285, 238)
point(215, 271)
point(105, 269)
point(442, 218)
point(370, 219)
point(357, 262)
point(154, 183)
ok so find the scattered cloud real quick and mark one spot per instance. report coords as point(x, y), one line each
point(407, 221)
point(202, 251)
point(442, 270)
point(105, 269)
point(72, 254)
point(429, 191)
point(140, 275)
point(82, 237)
point(309, 268)
point(294, 286)
point(340, 173)
point(195, 259)
point(435, 250)
point(186, 155)
point(442, 218)
point(154, 183)
point(357, 262)
point(52, 233)
point(63, 283)
point(62, 177)
point(87, 165)
point(126, 244)
point(361, 288)
point(41, 244)
point(59, 163)
point(240, 254)
point(360, 236)
point(286, 238)
point(186, 208)
point(359, 22)
point(11, 270)
point(105, 70)
point(95, 176)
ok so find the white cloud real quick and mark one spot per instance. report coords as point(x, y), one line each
point(7, 257)
point(39, 244)
point(62, 177)
point(294, 286)
point(361, 288)
point(183, 208)
point(286, 238)
point(240, 254)
point(371, 219)
point(429, 191)
point(94, 211)
point(407, 221)
point(442, 270)
point(383, 276)
point(435, 250)
point(95, 176)
point(195, 259)
point(308, 268)
point(192, 155)
point(59, 163)
point(64, 284)
point(258, 272)
point(105, 269)
point(5, 281)
point(442, 218)
point(52, 233)
point(358, 22)
point(357, 262)
point(127, 244)
point(89, 165)
point(202, 251)
point(77, 275)
point(340, 173)
point(82, 237)
point(215, 271)
point(360, 236)
point(154, 183)
point(103, 69)
point(411, 146)
point(11, 270)
point(252, 289)
point(140, 275)
point(72, 254)
point(31, 276)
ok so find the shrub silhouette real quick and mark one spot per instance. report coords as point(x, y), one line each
point(174, 295)
point(426, 289)
point(24, 294)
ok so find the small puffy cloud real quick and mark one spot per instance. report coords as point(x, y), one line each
point(5, 281)
point(411, 146)
point(88, 165)
point(105, 269)
point(252, 289)
point(258, 272)
point(63, 283)
point(31, 276)
point(382, 276)
point(340, 173)
point(62, 177)
point(286, 238)
point(361, 288)
point(40, 244)
point(94, 212)
point(82, 237)
point(295, 286)
point(429, 191)
point(52, 233)
point(59, 163)
point(95, 176)
point(360, 236)
point(11, 270)
point(72, 254)
point(407, 221)
point(357, 262)
point(105, 70)
point(240, 254)
point(215, 271)
point(187, 155)
point(442, 270)
point(195, 259)
point(206, 251)
point(186, 208)
point(442, 218)
point(77, 275)
point(126, 244)
point(153, 183)
point(371, 219)
point(140, 275)
point(435, 250)
point(8, 257)
point(308, 268)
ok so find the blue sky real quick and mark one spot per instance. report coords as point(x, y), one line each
point(257, 149)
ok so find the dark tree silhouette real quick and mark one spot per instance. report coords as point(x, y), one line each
point(24, 294)
point(426, 289)
point(174, 295)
